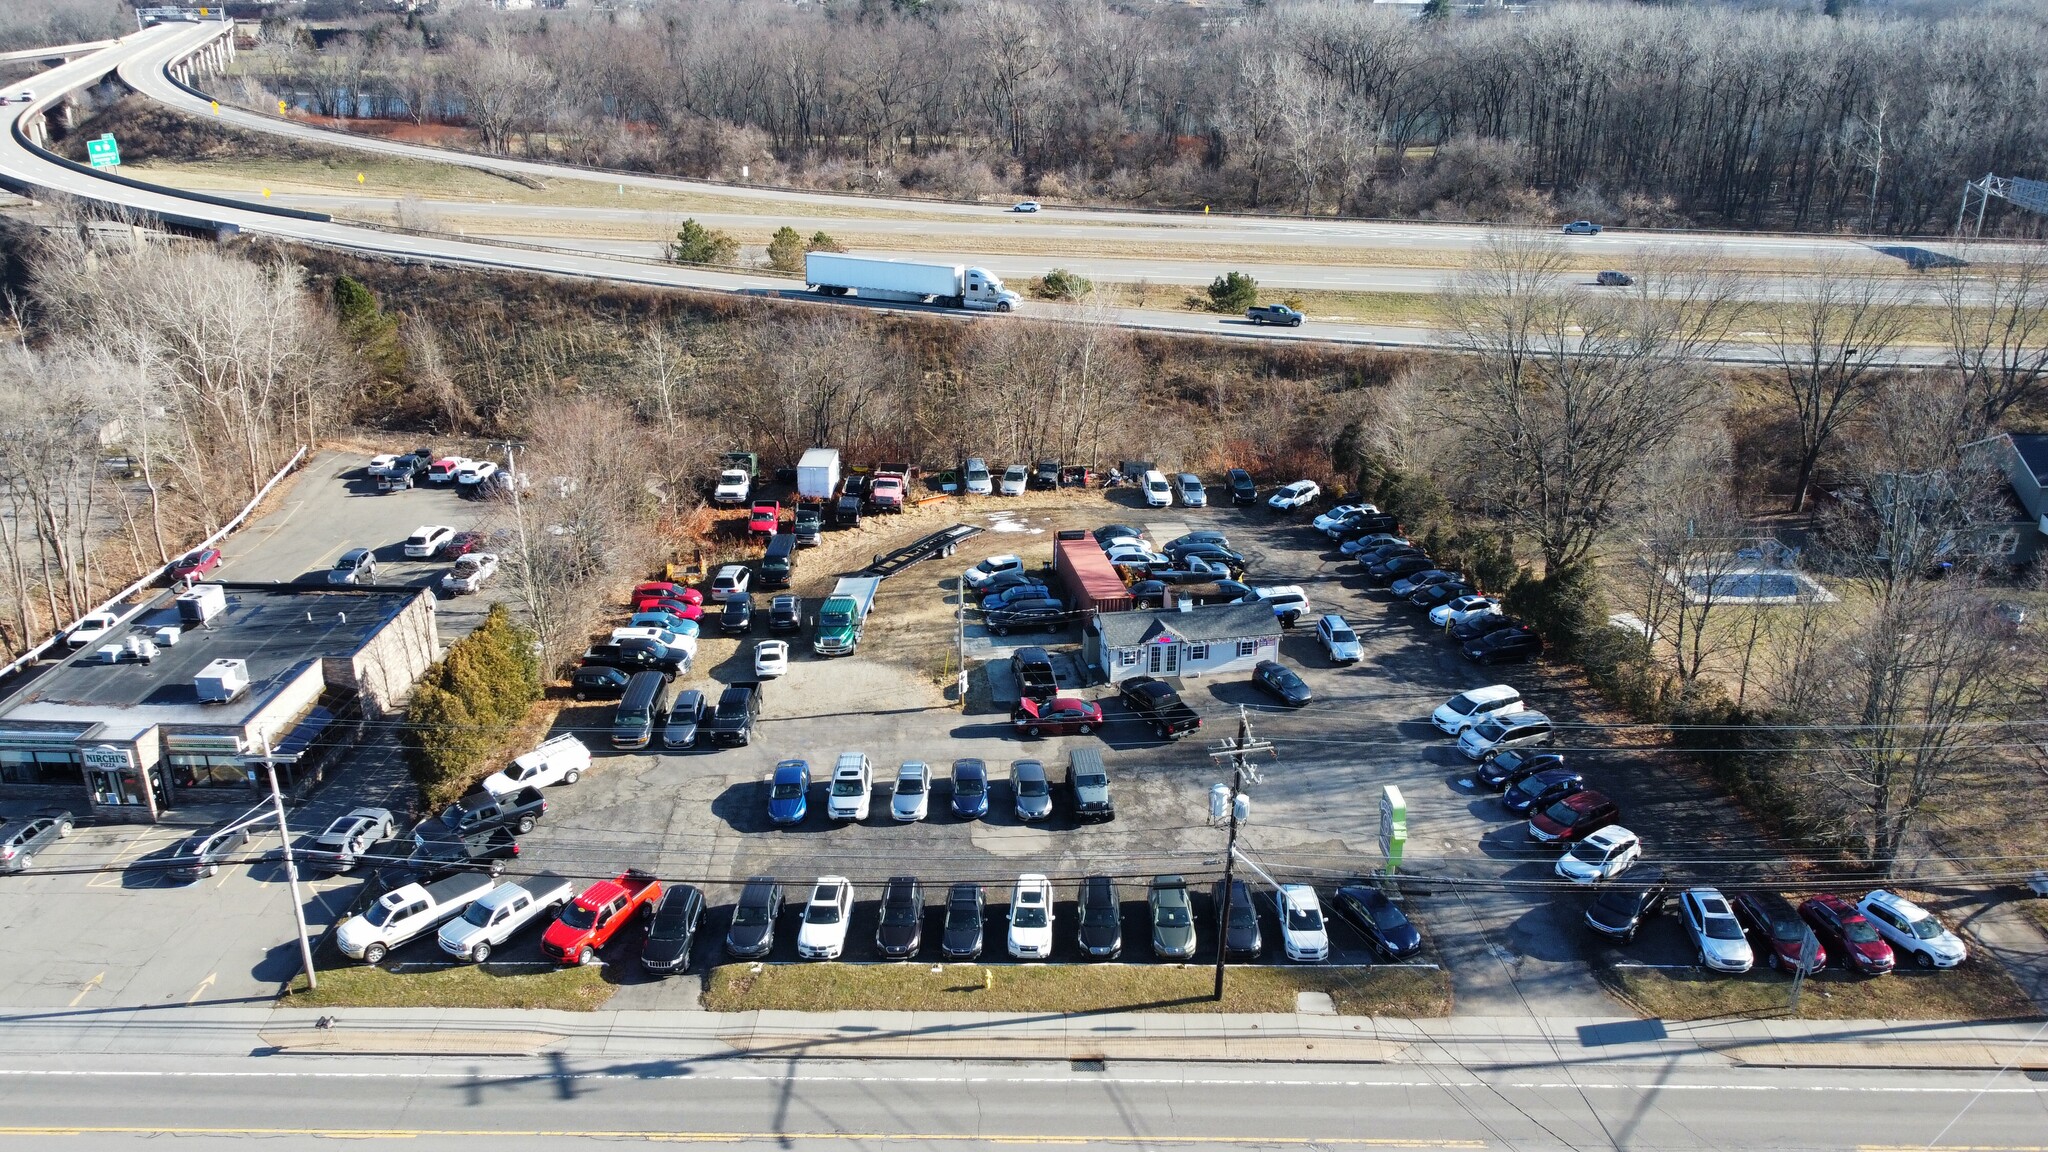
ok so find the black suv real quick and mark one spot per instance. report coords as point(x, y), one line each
point(753, 919)
point(786, 614)
point(902, 926)
point(737, 616)
point(1243, 490)
point(1046, 475)
point(732, 722)
point(673, 930)
point(1102, 919)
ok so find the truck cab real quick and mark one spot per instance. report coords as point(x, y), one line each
point(983, 291)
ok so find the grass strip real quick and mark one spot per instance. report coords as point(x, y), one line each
point(455, 986)
point(1070, 988)
point(1979, 990)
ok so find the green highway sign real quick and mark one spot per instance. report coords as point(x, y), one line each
point(103, 152)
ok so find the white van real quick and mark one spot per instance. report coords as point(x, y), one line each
point(1465, 709)
point(1158, 493)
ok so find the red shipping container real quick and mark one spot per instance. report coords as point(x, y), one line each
point(1090, 580)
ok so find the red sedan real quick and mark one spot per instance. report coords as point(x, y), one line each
point(663, 588)
point(1843, 931)
point(195, 564)
point(678, 608)
point(461, 544)
point(1059, 716)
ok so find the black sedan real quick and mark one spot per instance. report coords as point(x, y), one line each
point(1243, 489)
point(20, 840)
point(1383, 925)
point(1473, 627)
point(202, 853)
point(1149, 593)
point(902, 926)
point(1427, 598)
point(737, 615)
point(1517, 643)
point(1027, 615)
point(1539, 791)
point(1388, 571)
point(1382, 553)
point(961, 939)
point(1280, 680)
point(1622, 906)
point(1513, 765)
point(753, 919)
point(673, 930)
point(1101, 915)
point(1241, 936)
point(1108, 532)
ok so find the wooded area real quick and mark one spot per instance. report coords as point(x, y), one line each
point(1632, 113)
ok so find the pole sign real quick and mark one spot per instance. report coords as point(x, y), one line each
point(1393, 826)
point(103, 152)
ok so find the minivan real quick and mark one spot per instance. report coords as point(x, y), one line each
point(1504, 730)
point(1465, 709)
point(643, 708)
point(1158, 493)
point(778, 564)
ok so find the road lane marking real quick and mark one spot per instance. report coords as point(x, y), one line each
point(89, 986)
point(112, 876)
point(734, 1137)
point(203, 986)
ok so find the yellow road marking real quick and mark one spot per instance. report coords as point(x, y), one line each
point(111, 877)
point(89, 986)
point(203, 986)
point(731, 1137)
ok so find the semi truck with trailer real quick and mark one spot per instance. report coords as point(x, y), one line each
point(904, 281)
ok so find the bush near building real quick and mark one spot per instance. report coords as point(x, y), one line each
point(466, 704)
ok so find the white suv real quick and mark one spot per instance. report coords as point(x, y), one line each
point(1465, 709)
point(1299, 494)
point(1907, 927)
point(1302, 931)
point(826, 918)
point(852, 781)
point(427, 540)
point(1158, 493)
point(1289, 602)
point(1031, 918)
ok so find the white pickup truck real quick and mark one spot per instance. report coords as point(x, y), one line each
point(512, 905)
point(562, 760)
point(405, 912)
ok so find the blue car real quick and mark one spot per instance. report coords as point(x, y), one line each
point(789, 792)
point(1540, 791)
point(1013, 594)
point(664, 621)
point(970, 789)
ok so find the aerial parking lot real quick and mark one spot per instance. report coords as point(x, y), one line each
point(1500, 931)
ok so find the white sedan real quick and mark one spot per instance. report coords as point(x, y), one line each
point(1601, 856)
point(826, 918)
point(912, 796)
point(469, 573)
point(1031, 918)
point(1462, 609)
point(1299, 494)
point(1015, 478)
point(1715, 932)
point(771, 659)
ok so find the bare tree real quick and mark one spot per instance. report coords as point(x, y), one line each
point(1830, 343)
point(1995, 323)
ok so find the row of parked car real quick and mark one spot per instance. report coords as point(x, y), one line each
point(1387, 559)
point(849, 793)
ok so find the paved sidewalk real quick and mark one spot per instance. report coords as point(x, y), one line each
point(1471, 1042)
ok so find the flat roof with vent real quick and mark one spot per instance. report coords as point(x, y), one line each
point(277, 628)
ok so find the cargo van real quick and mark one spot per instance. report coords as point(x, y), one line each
point(778, 565)
point(643, 709)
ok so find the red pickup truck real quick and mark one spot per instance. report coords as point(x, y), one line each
point(765, 518)
point(592, 919)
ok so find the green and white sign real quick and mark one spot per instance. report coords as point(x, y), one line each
point(1393, 826)
point(103, 152)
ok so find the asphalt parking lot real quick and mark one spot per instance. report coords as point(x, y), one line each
point(1512, 942)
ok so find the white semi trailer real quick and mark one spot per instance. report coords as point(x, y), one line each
point(950, 285)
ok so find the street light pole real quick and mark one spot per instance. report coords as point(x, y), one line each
point(291, 868)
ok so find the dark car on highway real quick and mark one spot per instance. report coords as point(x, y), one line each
point(1516, 643)
point(969, 800)
point(1281, 682)
point(1622, 907)
point(1776, 926)
point(673, 930)
point(1243, 489)
point(1241, 937)
point(20, 840)
point(1847, 935)
point(1173, 918)
point(902, 926)
point(1101, 930)
point(1501, 769)
point(961, 937)
point(752, 933)
point(1540, 790)
point(1383, 925)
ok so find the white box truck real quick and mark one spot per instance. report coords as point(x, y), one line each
point(950, 285)
point(817, 474)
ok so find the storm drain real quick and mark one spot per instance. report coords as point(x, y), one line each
point(1086, 1065)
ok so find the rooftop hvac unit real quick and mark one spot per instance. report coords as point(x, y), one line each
point(169, 635)
point(133, 650)
point(202, 603)
point(222, 680)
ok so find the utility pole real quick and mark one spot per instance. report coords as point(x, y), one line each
point(291, 868)
point(1235, 751)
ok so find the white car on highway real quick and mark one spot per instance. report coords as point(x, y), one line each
point(1303, 934)
point(1715, 932)
point(90, 627)
point(1299, 494)
point(1909, 928)
point(771, 659)
point(470, 572)
point(912, 796)
point(1031, 918)
point(1025, 206)
point(426, 540)
point(734, 486)
point(1462, 609)
point(1602, 855)
point(826, 918)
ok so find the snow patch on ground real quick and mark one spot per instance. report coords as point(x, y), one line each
point(1008, 522)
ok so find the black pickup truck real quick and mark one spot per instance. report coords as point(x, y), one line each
point(1036, 679)
point(732, 722)
point(439, 851)
point(481, 811)
point(633, 654)
point(1159, 706)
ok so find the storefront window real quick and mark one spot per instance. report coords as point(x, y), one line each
point(20, 766)
point(116, 786)
point(189, 770)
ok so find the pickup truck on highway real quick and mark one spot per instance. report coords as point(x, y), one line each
point(1273, 314)
point(592, 919)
